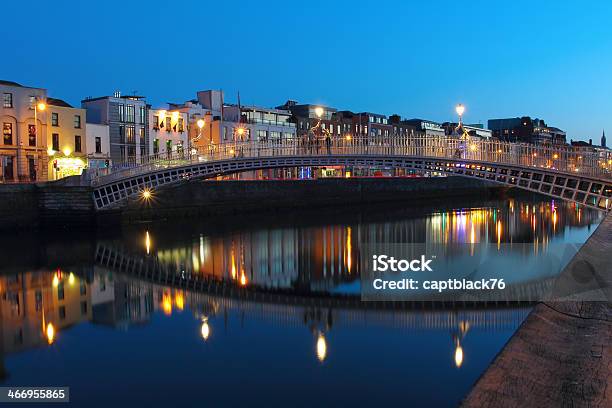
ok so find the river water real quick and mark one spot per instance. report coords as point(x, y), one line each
point(259, 309)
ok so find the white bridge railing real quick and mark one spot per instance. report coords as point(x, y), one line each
point(561, 159)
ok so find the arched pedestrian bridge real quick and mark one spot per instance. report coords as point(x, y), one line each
point(581, 177)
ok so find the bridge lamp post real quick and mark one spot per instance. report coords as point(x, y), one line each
point(200, 124)
point(460, 109)
point(240, 133)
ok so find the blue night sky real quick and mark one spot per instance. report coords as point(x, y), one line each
point(547, 59)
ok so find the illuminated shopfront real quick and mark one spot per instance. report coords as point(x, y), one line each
point(61, 167)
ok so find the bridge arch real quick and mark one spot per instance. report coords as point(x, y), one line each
point(498, 162)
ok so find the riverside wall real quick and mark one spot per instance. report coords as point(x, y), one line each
point(55, 204)
point(211, 198)
point(561, 356)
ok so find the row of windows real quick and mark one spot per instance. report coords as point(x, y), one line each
point(377, 119)
point(179, 146)
point(55, 120)
point(127, 134)
point(7, 134)
point(7, 138)
point(55, 144)
point(179, 126)
point(127, 113)
point(8, 103)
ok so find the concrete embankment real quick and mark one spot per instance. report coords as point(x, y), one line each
point(32, 206)
point(210, 198)
point(561, 356)
point(59, 204)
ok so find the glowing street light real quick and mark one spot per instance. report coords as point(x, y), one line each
point(460, 109)
point(146, 195)
point(319, 111)
point(200, 123)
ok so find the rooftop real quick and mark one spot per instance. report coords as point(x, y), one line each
point(58, 102)
point(10, 83)
point(15, 84)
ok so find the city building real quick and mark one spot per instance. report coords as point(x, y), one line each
point(346, 123)
point(401, 127)
point(426, 127)
point(475, 130)
point(377, 124)
point(589, 151)
point(305, 117)
point(66, 139)
point(168, 131)
point(23, 146)
point(97, 146)
point(204, 116)
point(126, 117)
point(526, 130)
point(260, 124)
point(194, 113)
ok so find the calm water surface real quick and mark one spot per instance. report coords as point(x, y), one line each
point(271, 315)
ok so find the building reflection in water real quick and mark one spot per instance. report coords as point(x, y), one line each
point(36, 307)
point(34, 312)
point(323, 257)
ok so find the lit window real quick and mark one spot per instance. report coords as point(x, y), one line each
point(7, 130)
point(8, 100)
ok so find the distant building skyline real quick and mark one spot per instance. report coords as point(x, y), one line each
point(230, 101)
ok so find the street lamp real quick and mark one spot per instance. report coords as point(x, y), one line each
point(39, 105)
point(319, 111)
point(200, 123)
point(460, 109)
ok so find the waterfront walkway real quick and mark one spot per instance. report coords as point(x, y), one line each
point(561, 356)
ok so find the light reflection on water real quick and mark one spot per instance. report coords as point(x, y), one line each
point(321, 257)
point(286, 333)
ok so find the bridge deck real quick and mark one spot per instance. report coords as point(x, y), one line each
point(563, 174)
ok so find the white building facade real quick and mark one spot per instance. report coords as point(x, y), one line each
point(98, 146)
point(168, 131)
